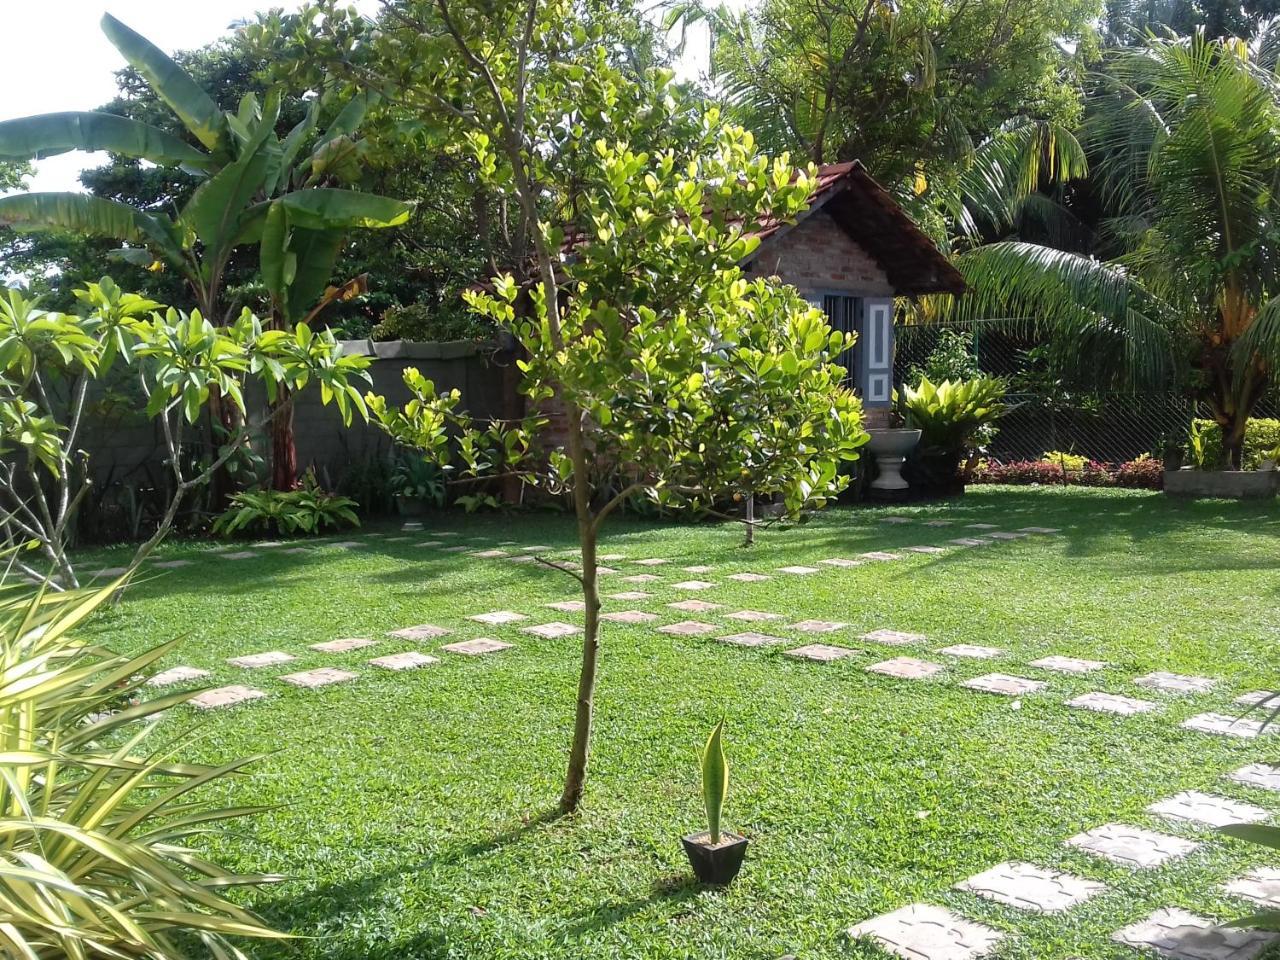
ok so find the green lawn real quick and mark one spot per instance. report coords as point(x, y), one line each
point(414, 815)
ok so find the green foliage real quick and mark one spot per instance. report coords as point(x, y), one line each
point(429, 323)
point(418, 478)
point(1066, 461)
point(306, 510)
point(949, 413)
point(1261, 438)
point(715, 780)
point(1262, 835)
point(101, 823)
point(952, 358)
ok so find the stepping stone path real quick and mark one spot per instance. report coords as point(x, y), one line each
point(841, 562)
point(925, 548)
point(698, 568)
point(1180, 935)
point(320, 677)
point(490, 554)
point(692, 585)
point(1132, 846)
point(981, 526)
point(651, 562)
point(1111, 703)
point(1006, 536)
point(748, 577)
point(1044, 530)
point(172, 564)
point(297, 550)
point(176, 675)
point(894, 638)
point(423, 631)
point(938, 523)
point(753, 616)
point(225, 697)
point(629, 595)
point(1031, 888)
point(1067, 664)
point(694, 606)
point(1175, 683)
point(254, 661)
point(972, 650)
point(906, 668)
point(1224, 726)
point(113, 571)
point(640, 578)
point(552, 630)
point(614, 558)
point(1261, 775)
point(522, 558)
point(344, 645)
point(821, 652)
point(1256, 698)
point(341, 545)
point(1261, 886)
point(568, 606)
point(818, 626)
point(536, 548)
point(1205, 808)
point(879, 555)
point(235, 555)
point(1005, 684)
point(895, 519)
point(409, 660)
point(924, 932)
point(970, 542)
point(458, 549)
point(629, 616)
point(477, 647)
point(688, 628)
point(751, 639)
point(498, 617)
point(798, 571)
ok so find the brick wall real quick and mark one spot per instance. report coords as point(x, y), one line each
point(817, 255)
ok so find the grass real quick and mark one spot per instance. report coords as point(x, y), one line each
point(414, 807)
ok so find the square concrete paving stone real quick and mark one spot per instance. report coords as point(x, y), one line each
point(821, 652)
point(1255, 698)
point(1067, 664)
point(629, 616)
point(692, 585)
point(1225, 726)
point(457, 549)
point(1100, 702)
point(970, 542)
point(236, 555)
point(498, 617)
point(172, 564)
point(694, 606)
point(841, 562)
point(938, 523)
point(490, 554)
point(225, 697)
point(1041, 530)
point(651, 562)
point(611, 557)
point(477, 647)
point(176, 675)
point(1262, 775)
point(752, 639)
point(798, 571)
point(320, 677)
point(423, 631)
point(346, 544)
point(688, 628)
point(343, 645)
point(879, 555)
point(552, 630)
point(1175, 682)
point(1180, 935)
point(297, 550)
point(753, 616)
point(698, 568)
point(629, 595)
point(818, 626)
point(640, 578)
point(1197, 807)
point(924, 932)
point(894, 638)
point(927, 549)
point(568, 606)
point(748, 577)
point(895, 519)
point(1004, 684)
point(254, 661)
point(1033, 888)
point(409, 660)
point(972, 650)
point(906, 668)
point(1006, 535)
point(1132, 846)
point(1261, 886)
point(536, 548)
point(981, 526)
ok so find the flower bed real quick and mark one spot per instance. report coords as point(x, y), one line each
point(1144, 473)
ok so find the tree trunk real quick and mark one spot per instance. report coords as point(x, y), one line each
point(751, 520)
point(1233, 441)
point(284, 451)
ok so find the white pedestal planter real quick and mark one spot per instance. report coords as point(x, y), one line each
point(890, 448)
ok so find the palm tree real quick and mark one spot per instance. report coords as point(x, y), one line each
point(1184, 136)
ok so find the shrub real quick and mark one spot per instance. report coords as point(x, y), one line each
point(952, 358)
point(1261, 438)
point(430, 323)
point(1144, 473)
point(308, 509)
point(98, 856)
point(1065, 461)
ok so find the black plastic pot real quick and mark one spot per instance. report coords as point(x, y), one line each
point(719, 864)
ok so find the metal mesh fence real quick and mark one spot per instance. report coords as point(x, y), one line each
point(1107, 426)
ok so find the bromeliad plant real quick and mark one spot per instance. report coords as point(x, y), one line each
point(98, 821)
point(305, 510)
point(948, 416)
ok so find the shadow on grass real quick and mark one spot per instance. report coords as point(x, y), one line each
point(668, 890)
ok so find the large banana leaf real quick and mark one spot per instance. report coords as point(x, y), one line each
point(215, 209)
point(328, 208)
point(172, 84)
point(316, 253)
point(77, 212)
point(34, 138)
point(278, 262)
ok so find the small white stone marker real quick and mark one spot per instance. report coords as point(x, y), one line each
point(490, 554)
point(698, 568)
point(172, 564)
point(651, 562)
point(423, 631)
point(751, 639)
point(753, 616)
point(176, 675)
point(906, 668)
point(343, 645)
point(320, 677)
point(894, 638)
point(1262, 775)
point(1100, 702)
point(1261, 886)
point(841, 562)
point(552, 630)
point(477, 647)
point(692, 585)
point(1225, 726)
point(409, 660)
point(253, 661)
point(1028, 887)
point(821, 652)
point(629, 595)
point(688, 628)
point(568, 606)
point(1257, 698)
point(1132, 846)
point(225, 697)
point(629, 616)
point(927, 548)
point(970, 542)
point(1175, 683)
point(975, 651)
point(798, 570)
point(879, 555)
point(818, 626)
point(924, 932)
point(498, 617)
point(1180, 935)
point(640, 578)
point(1205, 808)
point(694, 606)
point(748, 577)
point(1067, 664)
point(1004, 684)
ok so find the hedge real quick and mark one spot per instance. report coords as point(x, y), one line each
point(1261, 438)
point(1144, 474)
